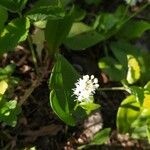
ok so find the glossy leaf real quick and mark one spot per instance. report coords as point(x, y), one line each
point(127, 113)
point(134, 71)
point(56, 32)
point(3, 17)
point(133, 29)
point(44, 12)
point(16, 31)
point(13, 5)
point(3, 86)
point(121, 49)
point(89, 106)
point(82, 36)
point(138, 92)
point(101, 137)
point(112, 68)
point(147, 86)
point(132, 117)
point(9, 111)
point(61, 84)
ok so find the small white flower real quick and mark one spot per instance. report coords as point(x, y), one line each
point(85, 88)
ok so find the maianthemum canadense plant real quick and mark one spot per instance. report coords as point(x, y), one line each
point(58, 22)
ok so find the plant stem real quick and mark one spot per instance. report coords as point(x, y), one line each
point(33, 53)
point(112, 89)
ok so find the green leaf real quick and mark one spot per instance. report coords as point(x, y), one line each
point(121, 50)
point(55, 104)
point(148, 133)
point(3, 17)
point(132, 117)
point(147, 86)
point(133, 29)
point(44, 12)
point(134, 71)
point(138, 92)
point(107, 22)
point(9, 112)
point(96, 2)
point(127, 113)
point(78, 13)
point(101, 137)
point(82, 36)
point(16, 31)
point(8, 70)
point(3, 86)
point(13, 5)
point(56, 32)
point(61, 83)
point(89, 106)
point(112, 68)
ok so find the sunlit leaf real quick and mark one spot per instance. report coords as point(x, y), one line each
point(133, 29)
point(16, 31)
point(3, 86)
point(9, 112)
point(128, 111)
point(3, 17)
point(82, 36)
point(134, 71)
point(13, 5)
point(56, 32)
point(101, 137)
point(61, 84)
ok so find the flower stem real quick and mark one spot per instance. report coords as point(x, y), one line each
point(112, 89)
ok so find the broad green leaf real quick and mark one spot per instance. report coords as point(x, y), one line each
point(89, 106)
point(65, 2)
point(44, 12)
point(16, 31)
point(112, 68)
point(55, 104)
point(147, 86)
point(146, 103)
point(95, 2)
point(9, 112)
point(3, 17)
point(101, 137)
point(61, 84)
point(13, 5)
point(148, 133)
point(121, 49)
point(56, 32)
point(133, 29)
point(127, 113)
point(144, 63)
point(138, 92)
point(107, 22)
point(134, 71)
point(82, 36)
point(44, 9)
point(8, 70)
point(3, 86)
point(131, 116)
point(78, 13)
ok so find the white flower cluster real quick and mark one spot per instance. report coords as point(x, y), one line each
point(132, 2)
point(85, 88)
